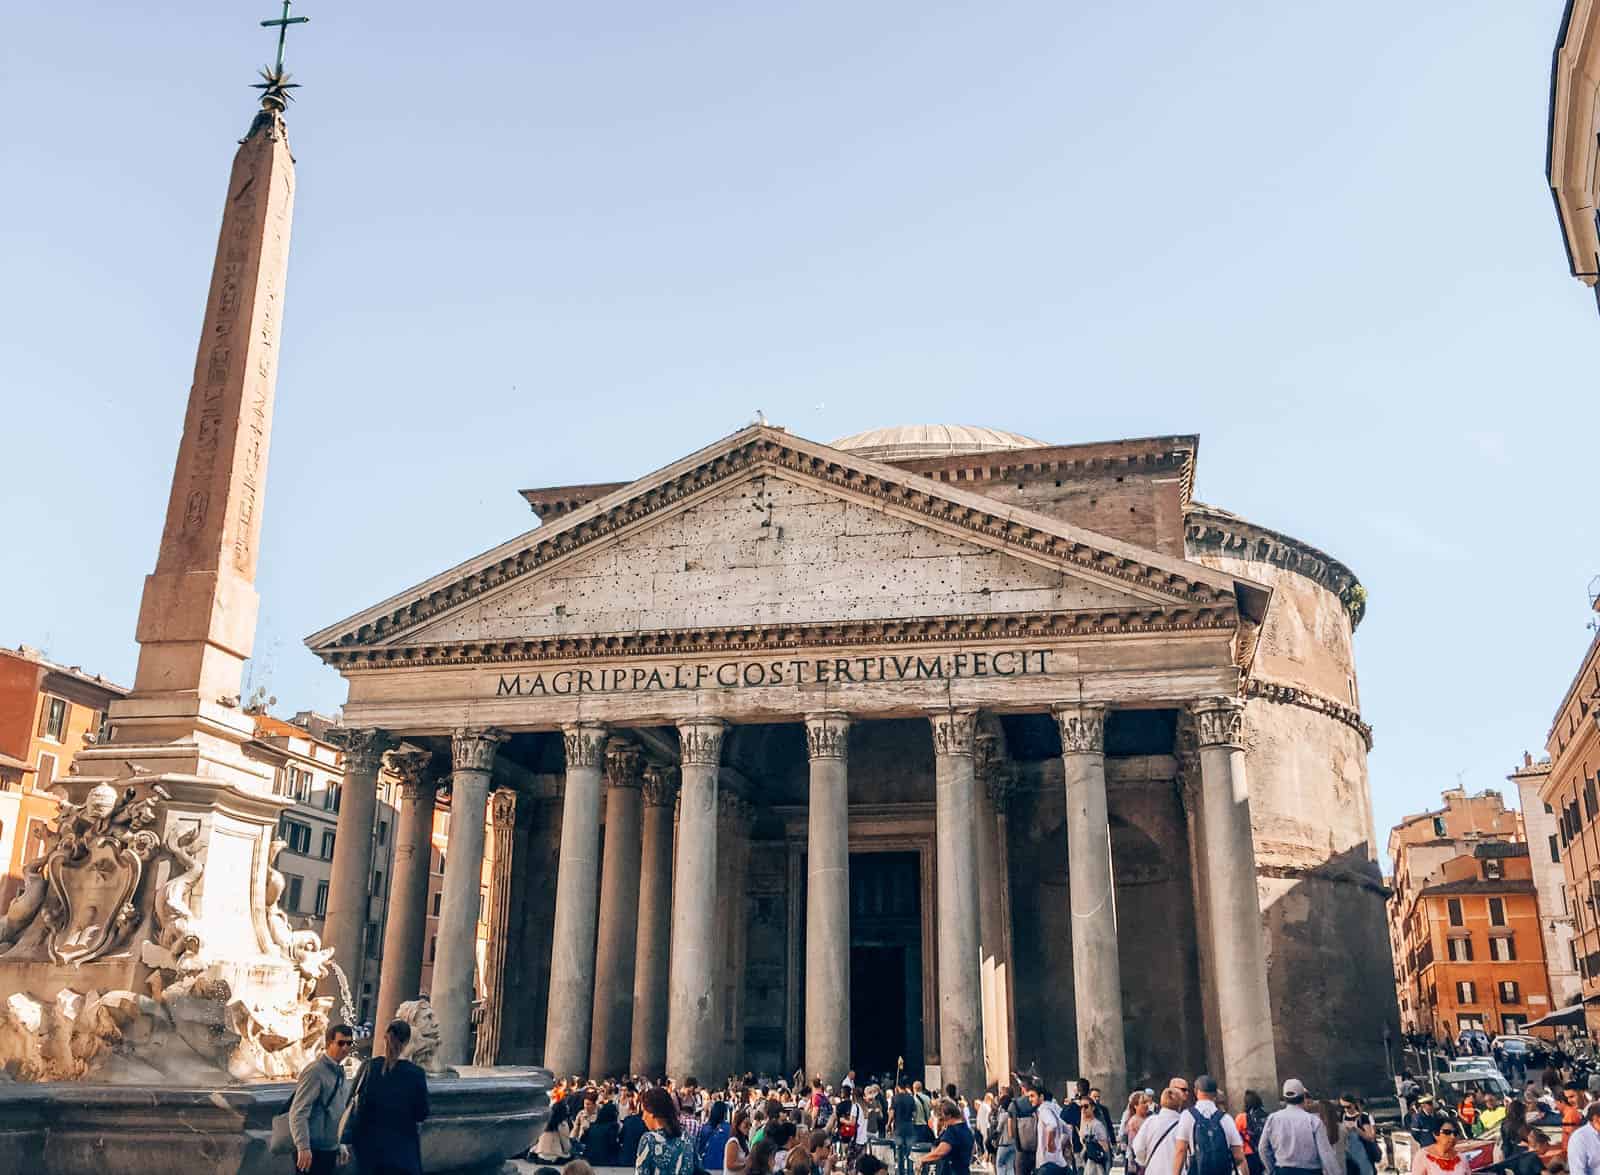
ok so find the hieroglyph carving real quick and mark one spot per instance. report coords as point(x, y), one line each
point(700, 742)
point(1083, 729)
point(474, 748)
point(828, 735)
point(954, 732)
point(1219, 722)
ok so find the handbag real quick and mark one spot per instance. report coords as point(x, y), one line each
point(352, 1108)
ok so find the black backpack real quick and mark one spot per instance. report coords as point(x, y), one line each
point(1212, 1154)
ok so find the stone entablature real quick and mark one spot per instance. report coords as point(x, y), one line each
point(1162, 581)
point(1289, 695)
point(1210, 529)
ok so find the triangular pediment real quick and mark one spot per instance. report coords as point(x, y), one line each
point(763, 528)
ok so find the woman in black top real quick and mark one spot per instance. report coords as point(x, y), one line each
point(602, 1142)
point(391, 1104)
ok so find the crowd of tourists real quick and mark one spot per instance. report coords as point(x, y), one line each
point(754, 1126)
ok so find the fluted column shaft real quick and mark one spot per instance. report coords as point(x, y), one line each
point(647, 1053)
point(566, 1035)
point(502, 825)
point(1238, 943)
point(828, 897)
point(994, 940)
point(1096, 969)
point(960, 981)
point(400, 978)
point(455, 961)
point(619, 915)
point(691, 1027)
point(350, 886)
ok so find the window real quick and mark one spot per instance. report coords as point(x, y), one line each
point(1497, 911)
point(291, 895)
point(1474, 1022)
point(1494, 869)
point(1555, 847)
point(47, 772)
point(53, 717)
point(1460, 950)
point(322, 899)
point(433, 947)
point(330, 797)
point(1438, 826)
point(1509, 992)
point(1591, 802)
point(372, 940)
point(295, 835)
point(377, 883)
point(37, 839)
point(1514, 1023)
point(483, 906)
point(383, 833)
point(1464, 992)
point(437, 898)
point(1502, 949)
point(1577, 963)
point(327, 844)
point(1454, 907)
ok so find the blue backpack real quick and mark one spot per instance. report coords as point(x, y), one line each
point(1212, 1154)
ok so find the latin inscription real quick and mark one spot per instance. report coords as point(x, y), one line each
point(771, 671)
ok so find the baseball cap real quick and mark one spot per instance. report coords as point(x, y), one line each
point(1294, 1087)
point(1205, 1083)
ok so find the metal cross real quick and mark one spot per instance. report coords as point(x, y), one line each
point(282, 24)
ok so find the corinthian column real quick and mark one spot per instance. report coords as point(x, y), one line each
point(960, 982)
point(619, 915)
point(400, 978)
point(995, 779)
point(1096, 970)
point(350, 887)
point(566, 1034)
point(828, 896)
point(652, 942)
point(1237, 954)
point(691, 1026)
point(502, 825)
point(455, 961)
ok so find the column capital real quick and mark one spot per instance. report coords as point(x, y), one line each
point(473, 748)
point(992, 769)
point(623, 763)
point(828, 734)
point(1219, 722)
point(585, 744)
point(660, 788)
point(415, 768)
point(502, 807)
point(1083, 728)
point(954, 731)
point(363, 749)
point(700, 741)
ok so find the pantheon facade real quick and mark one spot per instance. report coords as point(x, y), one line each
point(938, 743)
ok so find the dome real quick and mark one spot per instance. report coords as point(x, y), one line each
point(907, 442)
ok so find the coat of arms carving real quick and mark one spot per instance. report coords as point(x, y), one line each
point(93, 871)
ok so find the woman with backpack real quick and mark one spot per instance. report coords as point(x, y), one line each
point(1250, 1122)
point(1094, 1140)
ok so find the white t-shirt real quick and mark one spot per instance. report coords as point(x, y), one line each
point(1049, 1122)
point(1185, 1131)
point(1153, 1145)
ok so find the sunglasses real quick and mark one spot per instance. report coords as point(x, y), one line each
point(1446, 1130)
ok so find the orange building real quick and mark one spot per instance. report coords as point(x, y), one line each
point(1464, 920)
point(46, 713)
point(1572, 791)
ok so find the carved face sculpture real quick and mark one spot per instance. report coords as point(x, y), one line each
point(100, 802)
point(424, 1031)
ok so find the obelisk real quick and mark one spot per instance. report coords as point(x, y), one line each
point(183, 727)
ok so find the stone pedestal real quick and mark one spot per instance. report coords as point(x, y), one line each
point(691, 1027)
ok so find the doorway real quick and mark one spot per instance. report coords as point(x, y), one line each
point(885, 963)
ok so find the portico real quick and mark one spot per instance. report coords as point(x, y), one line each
point(715, 687)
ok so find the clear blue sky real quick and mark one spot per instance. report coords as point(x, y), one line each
point(540, 244)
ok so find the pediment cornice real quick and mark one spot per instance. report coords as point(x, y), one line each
point(1169, 584)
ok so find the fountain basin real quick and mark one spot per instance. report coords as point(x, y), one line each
point(477, 1121)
